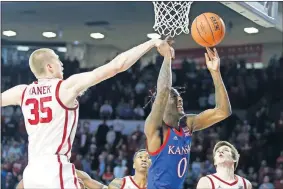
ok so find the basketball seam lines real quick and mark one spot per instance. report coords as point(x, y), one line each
point(200, 34)
point(209, 27)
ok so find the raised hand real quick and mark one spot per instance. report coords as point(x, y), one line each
point(164, 47)
point(212, 59)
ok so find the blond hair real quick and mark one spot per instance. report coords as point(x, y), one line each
point(235, 153)
point(38, 60)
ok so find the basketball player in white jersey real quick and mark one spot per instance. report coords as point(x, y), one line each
point(141, 164)
point(50, 112)
point(139, 180)
point(226, 158)
point(84, 180)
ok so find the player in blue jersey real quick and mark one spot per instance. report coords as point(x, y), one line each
point(168, 129)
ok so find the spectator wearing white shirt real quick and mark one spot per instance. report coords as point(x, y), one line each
point(106, 110)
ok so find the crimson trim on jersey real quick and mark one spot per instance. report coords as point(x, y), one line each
point(69, 139)
point(60, 172)
point(245, 184)
point(23, 95)
point(124, 182)
point(179, 133)
point(58, 98)
point(74, 174)
point(230, 184)
point(135, 183)
point(162, 146)
point(64, 132)
point(212, 183)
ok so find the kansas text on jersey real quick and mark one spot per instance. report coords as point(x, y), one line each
point(170, 163)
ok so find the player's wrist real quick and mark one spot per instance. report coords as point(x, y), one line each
point(156, 42)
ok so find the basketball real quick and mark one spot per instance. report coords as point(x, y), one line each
point(208, 29)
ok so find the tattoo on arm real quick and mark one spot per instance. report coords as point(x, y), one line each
point(164, 83)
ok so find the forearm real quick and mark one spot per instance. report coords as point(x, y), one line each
point(164, 81)
point(93, 184)
point(133, 55)
point(221, 96)
point(12, 96)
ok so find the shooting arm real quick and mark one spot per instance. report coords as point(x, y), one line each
point(116, 183)
point(164, 83)
point(12, 96)
point(120, 63)
point(221, 111)
point(88, 181)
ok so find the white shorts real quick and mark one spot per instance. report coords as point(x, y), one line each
point(50, 172)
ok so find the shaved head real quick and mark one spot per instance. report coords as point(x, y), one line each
point(40, 59)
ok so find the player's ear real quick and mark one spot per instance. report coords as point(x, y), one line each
point(49, 67)
point(134, 166)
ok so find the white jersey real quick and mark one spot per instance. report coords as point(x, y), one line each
point(50, 125)
point(129, 183)
point(218, 183)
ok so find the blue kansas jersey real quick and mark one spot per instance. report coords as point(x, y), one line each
point(170, 163)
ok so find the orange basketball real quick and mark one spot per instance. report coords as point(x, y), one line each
point(208, 29)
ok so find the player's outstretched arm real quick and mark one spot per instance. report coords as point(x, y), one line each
point(222, 109)
point(88, 181)
point(117, 183)
point(12, 96)
point(164, 84)
point(80, 82)
point(203, 183)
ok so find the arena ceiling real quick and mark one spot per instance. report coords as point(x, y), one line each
point(124, 24)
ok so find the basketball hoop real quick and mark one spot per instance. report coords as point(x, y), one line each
point(172, 17)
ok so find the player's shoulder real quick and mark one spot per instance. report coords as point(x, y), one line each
point(117, 183)
point(20, 88)
point(203, 182)
point(246, 182)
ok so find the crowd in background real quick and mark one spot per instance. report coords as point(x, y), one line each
point(106, 153)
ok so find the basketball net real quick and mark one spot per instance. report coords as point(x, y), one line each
point(172, 17)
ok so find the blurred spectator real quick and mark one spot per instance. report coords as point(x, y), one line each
point(139, 112)
point(101, 133)
point(108, 175)
point(111, 136)
point(140, 87)
point(266, 184)
point(106, 110)
point(119, 170)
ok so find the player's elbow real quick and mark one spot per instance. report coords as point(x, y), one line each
point(119, 63)
point(223, 114)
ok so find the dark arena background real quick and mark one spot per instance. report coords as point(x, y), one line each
point(87, 35)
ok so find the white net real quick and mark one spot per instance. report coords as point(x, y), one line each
point(171, 17)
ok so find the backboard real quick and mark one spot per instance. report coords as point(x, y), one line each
point(264, 13)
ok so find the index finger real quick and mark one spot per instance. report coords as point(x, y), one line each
point(215, 52)
point(210, 52)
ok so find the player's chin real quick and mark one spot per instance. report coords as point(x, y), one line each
point(181, 111)
point(144, 167)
